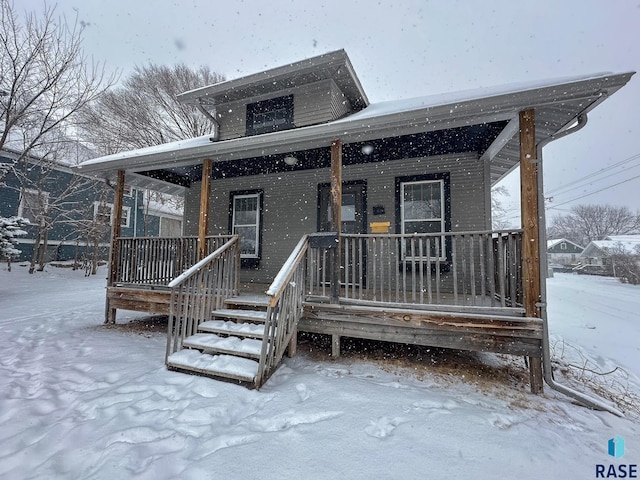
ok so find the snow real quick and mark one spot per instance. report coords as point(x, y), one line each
point(82, 401)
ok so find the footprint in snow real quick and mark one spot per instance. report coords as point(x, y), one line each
point(382, 427)
point(501, 421)
point(303, 392)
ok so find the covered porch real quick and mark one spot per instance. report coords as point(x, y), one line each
point(467, 288)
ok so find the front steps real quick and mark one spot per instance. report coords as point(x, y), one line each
point(227, 347)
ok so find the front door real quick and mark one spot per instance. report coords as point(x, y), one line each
point(354, 221)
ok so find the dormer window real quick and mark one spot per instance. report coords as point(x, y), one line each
point(270, 115)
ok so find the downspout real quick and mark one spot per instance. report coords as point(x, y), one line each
point(583, 399)
point(216, 126)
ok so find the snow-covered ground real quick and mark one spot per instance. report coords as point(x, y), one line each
point(81, 401)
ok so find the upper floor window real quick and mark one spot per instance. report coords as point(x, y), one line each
point(563, 246)
point(270, 115)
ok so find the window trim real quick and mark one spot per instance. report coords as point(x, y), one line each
point(248, 260)
point(445, 195)
point(267, 105)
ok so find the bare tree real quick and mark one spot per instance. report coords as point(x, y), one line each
point(625, 263)
point(499, 217)
point(586, 223)
point(92, 228)
point(50, 196)
point(44, 80)
point(144, 111)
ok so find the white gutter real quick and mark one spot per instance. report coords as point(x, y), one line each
point(586, 400)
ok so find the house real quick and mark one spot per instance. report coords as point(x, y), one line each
point(563, 253)
point(77, 209)
point(359, 219)
point(598, 256)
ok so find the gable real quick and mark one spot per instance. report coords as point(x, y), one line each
point(563, 245)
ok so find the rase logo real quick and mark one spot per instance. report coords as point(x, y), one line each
point(615, 448)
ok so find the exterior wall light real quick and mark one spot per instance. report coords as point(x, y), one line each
point(290, 160)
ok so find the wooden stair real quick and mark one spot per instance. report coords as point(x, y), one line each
point(228, 346)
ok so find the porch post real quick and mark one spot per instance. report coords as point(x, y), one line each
point(205, 194)
point(336, 216)
point(116, 228)
point(530, 226)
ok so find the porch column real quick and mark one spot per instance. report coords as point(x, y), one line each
point(530, 226)
point(336, 216)
point(116, 228)
point(205, 195)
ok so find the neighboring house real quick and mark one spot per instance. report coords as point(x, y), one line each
point(79, 208)
point(357, 219)
point(597, 257)
point(563, 252)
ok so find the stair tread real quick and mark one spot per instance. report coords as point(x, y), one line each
point(253, 315)
point(238, 345)
point(227, 366)
point(222, 326)
point(249, 300)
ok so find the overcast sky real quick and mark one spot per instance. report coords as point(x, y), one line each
point(406, 49)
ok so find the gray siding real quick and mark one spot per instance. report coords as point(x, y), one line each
point(340, 106)
point(290, 201)
point(312, 104)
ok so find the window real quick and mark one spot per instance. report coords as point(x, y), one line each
point(32, 205)
point(270, 115)
point(423, 206)
point(128, 191)
point(102, 213)
point(246, 212)
point(563, 246)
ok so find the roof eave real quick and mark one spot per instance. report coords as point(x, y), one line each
point(474, 111)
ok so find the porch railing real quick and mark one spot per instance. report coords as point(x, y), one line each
point(471, 269)
point(157, 260)
point(286, 296)
point(201, 289)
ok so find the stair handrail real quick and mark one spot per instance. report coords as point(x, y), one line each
point(199, 290)
point(284, 310)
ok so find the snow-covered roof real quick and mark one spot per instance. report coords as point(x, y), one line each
point(335, 66)
point(624, 238)
point(557, 102)
point(621, 242)
point(554, 242)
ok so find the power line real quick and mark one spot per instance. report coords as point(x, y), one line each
point(593, 193)
point(588, 183)
point(593, 174)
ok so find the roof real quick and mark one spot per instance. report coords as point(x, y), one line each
point(558, 104)
point(554, 242)
point(628, 243)
point(334, 66)
point(624, 238)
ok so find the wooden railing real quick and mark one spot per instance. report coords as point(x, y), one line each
point(286, 296)
point(471, 269)
point(156, 260)
point(201, 289)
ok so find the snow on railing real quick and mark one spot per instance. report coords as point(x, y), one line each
point(286, 296)
point(201, 289)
